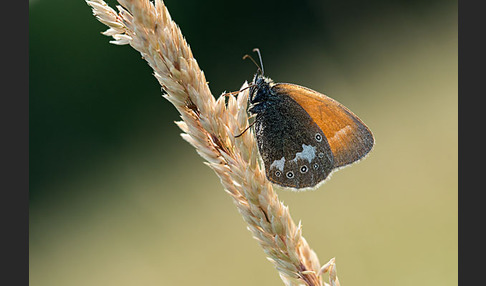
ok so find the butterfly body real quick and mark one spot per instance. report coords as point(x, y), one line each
point(303, 135)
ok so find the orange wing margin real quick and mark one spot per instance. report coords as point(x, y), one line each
point(349, 138)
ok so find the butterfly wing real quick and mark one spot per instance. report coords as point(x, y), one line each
point(348, 137)
point(286, 137)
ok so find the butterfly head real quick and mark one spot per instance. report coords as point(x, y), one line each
point(261, 85)
point(260, 89)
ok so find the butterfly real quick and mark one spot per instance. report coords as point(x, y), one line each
point(303, 135)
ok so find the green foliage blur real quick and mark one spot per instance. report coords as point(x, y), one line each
point(118, 198)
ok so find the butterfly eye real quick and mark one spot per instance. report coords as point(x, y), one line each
point(318, 137)
point(303, 169)
point(278, 174)
point(316, 166)
point(290, 174)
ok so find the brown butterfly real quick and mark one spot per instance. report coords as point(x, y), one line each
point(302, 134)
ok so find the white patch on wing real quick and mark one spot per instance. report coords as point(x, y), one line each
point(308, 153)
point(279, 164)
point(341, 132)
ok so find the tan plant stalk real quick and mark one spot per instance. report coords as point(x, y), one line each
point(210, 126)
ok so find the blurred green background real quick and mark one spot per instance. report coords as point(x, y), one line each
point(118, 198)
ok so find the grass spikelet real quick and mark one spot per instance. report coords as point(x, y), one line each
point(210, 126)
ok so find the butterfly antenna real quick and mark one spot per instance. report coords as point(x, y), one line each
point(257, 50)
point(249, 57)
